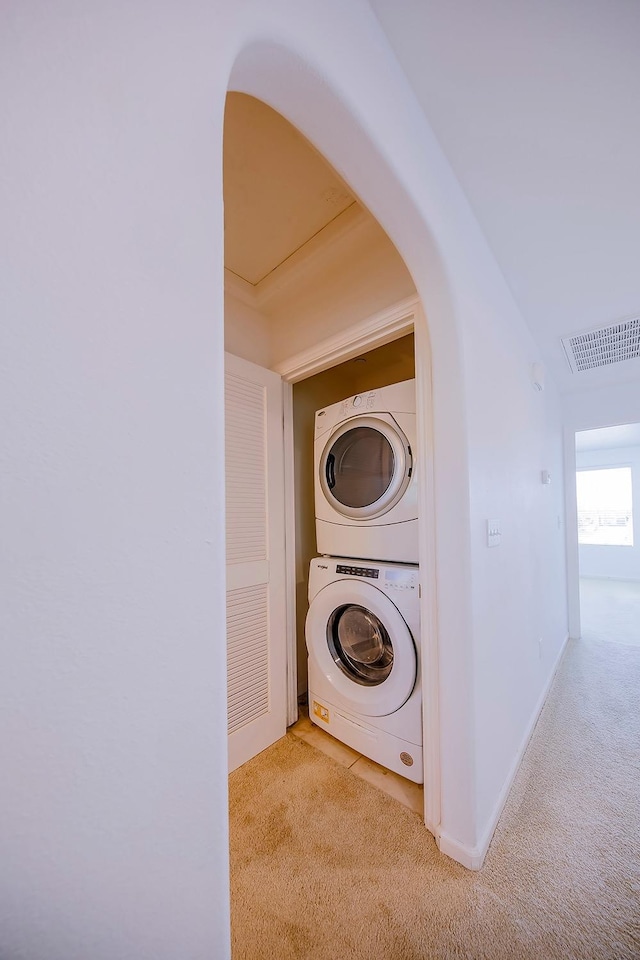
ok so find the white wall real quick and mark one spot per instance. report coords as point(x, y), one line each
point(358, 275)
point(247, 332)
point(519, 588)
point(113, 834)
point(617, 563)
point(113, 821)
point(605, 407)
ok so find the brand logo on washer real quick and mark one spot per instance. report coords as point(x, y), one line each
point(322, 566)
point(407, 759)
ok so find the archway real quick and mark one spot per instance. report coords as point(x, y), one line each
point(301, 94)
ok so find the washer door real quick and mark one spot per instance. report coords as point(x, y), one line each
point(365, 466)
point(360, 644)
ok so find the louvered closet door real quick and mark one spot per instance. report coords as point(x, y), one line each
point(256, 651)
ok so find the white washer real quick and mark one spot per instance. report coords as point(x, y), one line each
point(362, 634)
point(366, 499)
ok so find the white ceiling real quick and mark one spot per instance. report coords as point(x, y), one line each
point(536, 106)
point(278, 191)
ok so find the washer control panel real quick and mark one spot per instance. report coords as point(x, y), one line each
point(392, 579)
point(400, 579)
point(358, 571)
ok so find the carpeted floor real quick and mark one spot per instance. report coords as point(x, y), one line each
point(610, 610)
point(325, 866)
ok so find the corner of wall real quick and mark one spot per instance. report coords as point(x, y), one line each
point(478, 853)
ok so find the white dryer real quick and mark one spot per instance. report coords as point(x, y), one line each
point(366, 498)
point(362, 634)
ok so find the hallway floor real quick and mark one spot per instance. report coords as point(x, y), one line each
point(610, 610)
point(326, 865)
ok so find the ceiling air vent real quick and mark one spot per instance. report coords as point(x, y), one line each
point(601, 347)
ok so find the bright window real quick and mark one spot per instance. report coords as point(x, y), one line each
point(604, 507)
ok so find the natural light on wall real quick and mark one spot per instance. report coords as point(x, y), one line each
point(604, 507)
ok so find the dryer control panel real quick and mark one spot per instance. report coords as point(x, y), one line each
point(361, 401)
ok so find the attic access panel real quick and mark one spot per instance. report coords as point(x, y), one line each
point(604, 346)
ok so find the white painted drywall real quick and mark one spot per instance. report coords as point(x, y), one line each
point(113, 831)
point(247, 332)
point(357, 276)
point(617, 563)
point(113, 821)
point(605, 407)
point(519, 587)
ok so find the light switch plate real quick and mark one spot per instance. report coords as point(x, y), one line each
point(494, 533)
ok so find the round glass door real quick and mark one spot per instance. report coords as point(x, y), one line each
point(361, 647)
point(365, 467)
point(360, 644)
point(360, 467)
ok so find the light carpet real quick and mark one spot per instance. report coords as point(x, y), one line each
point(610, 610)
point(326, 866)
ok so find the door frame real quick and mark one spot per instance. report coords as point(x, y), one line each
point(576, 426)
point(406, 316)
point(571, 539)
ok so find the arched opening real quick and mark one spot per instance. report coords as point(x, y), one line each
point(315, 291)
point(289, 85)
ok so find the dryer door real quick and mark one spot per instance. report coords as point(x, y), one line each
point(365, 466)
point(361, 644)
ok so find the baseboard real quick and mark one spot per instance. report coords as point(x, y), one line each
point(470, 857)
point(473, 857)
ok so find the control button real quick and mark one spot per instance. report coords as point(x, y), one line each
point(357, 401)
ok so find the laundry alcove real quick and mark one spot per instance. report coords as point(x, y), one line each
point(316, 292)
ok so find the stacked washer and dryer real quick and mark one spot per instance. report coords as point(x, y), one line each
point(363, 627)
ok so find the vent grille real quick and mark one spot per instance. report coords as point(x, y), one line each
point(604, 346)
point(246, 470)
point(247, 655)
